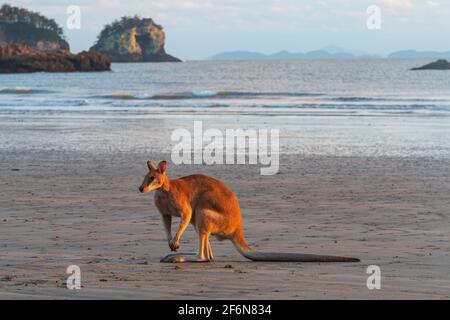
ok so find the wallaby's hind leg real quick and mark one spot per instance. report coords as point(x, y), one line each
point(204, 253)
point(209, 250)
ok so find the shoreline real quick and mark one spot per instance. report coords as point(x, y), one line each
point(394, 136)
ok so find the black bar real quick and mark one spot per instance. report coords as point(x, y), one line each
point(226, 309)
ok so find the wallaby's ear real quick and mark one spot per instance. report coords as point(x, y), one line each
point(162, 166)
point(151, 166)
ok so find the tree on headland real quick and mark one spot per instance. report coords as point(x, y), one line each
point(10, 14)
point(124, 23)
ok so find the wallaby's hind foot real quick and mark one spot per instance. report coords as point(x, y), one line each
point(182, 258)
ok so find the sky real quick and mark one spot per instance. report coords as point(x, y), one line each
point(197, 29)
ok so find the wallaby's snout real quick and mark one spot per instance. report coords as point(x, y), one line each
point(141, 189)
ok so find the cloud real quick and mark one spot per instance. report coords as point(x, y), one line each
point(109, 4)
point(398, 4)
point(432, 3)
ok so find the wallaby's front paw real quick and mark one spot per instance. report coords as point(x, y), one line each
point(174, 244)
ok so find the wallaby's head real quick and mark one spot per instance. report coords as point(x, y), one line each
point(155, 178)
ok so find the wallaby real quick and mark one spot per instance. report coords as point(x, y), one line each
point(213, 209)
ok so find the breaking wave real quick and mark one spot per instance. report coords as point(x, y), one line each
point(22, 91)
point(203, 95)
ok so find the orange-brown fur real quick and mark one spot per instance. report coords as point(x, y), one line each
point(208, 204)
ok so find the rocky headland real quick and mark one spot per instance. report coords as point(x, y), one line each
point(30, 42)
point(133, 39)
point(18, 25)
point(21, 58)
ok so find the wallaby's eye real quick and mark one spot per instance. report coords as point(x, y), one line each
point(151, 179)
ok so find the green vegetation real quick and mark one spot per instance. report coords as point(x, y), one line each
point(123, 24)
point(15, 15)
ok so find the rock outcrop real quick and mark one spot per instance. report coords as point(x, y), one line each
point(18, 25)
point(133, 40)
point(21, 58)
point(437, 65)
point(30, 42)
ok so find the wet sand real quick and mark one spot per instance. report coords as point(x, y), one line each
point(61, 207)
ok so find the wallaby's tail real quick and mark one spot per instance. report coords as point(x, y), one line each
point(249, 253)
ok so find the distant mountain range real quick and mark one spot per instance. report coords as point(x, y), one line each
point(412, 54)
point(286, 55)
point(328, 53)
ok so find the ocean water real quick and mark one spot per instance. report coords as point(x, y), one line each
point(375, 107)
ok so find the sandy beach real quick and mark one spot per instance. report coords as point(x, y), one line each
point(62, 206)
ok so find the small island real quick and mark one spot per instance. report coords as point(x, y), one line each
point(437, 65)
point(133, 39)
point(30, 42)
